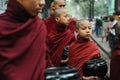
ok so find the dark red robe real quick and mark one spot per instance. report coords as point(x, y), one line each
point(50, 22)
point(72, 24)
point(22, 44)
point(59, 37)
point(115, 63)
point(81, 51)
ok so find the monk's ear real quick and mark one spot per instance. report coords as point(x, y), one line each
point(57, 19)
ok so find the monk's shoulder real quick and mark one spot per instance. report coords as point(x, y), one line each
point(49, 20)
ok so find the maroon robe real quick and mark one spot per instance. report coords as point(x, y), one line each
point(115, 63)
point(72, 24)
point(50, 22)
point(22, 44)
point(81, 51)
point(59, 37)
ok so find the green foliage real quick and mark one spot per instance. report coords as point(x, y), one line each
point(6, 2)
point(76, 1)
point(85, 8)
point(79, 1)
point(99, 7)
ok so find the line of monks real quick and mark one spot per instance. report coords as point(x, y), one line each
point(64, 31)
point(29, 45)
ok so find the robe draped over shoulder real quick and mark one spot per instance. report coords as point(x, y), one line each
point(58, 38)
point(81, 51)
point(22, 44)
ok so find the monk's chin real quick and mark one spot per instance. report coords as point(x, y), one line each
point(87, 38)
point(34, 14)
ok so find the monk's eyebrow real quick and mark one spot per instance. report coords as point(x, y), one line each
point(89, 26)
point(63, 5)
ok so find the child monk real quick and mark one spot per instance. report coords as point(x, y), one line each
point(50, 21)
point(59, 36)
point(83, 49)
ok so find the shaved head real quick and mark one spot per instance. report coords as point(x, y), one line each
point(59, 4)
point(61, 16)
point(80, 22)
point(57, 1)
point(59, 11)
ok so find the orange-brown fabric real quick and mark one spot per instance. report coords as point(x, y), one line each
point(81, 51)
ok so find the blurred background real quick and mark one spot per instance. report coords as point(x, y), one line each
point(80, 8)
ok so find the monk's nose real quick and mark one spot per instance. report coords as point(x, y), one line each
point(42, 2)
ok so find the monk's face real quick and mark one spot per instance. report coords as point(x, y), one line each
point(63, 18)
point(85, 30)
point(60, 4)
point(52, 9)
point(33, 7)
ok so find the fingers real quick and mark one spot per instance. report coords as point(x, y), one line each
point(90, 78)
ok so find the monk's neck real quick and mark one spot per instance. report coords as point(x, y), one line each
point(16, 11)
point(61, 27)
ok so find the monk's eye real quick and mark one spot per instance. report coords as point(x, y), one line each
point(90, 28)
point(66, 15)
point(62, 5)
point(83, 28)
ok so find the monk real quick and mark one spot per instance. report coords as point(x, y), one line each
point(22, 41)
point(59, 36)
point(83, 49)
point(50, 21)
point(52, 8)
point(59, 4)
point(115, 57)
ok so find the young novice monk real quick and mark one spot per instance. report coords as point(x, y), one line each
point(59, 36)
point(50, 21)
point(83, 49)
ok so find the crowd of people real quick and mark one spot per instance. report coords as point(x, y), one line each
point(29, 44)
point(104, 28)
point(109, 31)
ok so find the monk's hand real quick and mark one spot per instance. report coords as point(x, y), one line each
point(90, 78)
point(64, 61)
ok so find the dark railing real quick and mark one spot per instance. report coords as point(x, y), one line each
point(91, 10)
